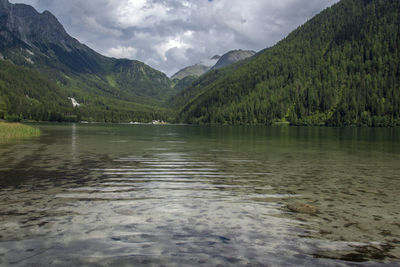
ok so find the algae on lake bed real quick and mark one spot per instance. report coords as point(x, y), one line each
point(10, 131)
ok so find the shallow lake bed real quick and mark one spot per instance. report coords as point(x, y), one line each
point(183, 195)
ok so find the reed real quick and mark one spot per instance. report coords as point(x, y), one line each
point(9, 131)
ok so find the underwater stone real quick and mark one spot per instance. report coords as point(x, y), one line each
point(302, 208)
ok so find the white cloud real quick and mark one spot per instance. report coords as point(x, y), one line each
point(179, 43)
point(122, 52)
point(92, 23)
point(140, 13)
point(171, 34)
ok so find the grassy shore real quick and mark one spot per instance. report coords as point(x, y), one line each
point(9, 131)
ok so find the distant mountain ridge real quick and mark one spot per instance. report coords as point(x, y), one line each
point(232, 57)
point(38, 41)
point(195, 70)
point(227, 59)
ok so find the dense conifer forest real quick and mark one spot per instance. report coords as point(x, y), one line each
point(340, 68)
point(25, 94)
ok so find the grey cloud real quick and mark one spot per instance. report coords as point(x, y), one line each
point(171, 34)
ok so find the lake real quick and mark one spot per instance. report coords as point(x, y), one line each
point(179, 195)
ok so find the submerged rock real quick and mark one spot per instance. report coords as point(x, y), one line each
point(361, 254)
point(302, 208)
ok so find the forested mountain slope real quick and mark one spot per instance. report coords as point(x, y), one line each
point(340, 68)
point(108, 89)
point(25, 94)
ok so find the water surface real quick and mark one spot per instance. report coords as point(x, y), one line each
point(185, 195)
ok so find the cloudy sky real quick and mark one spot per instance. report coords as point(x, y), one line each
point(171, 34)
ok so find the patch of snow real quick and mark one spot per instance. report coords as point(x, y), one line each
point(74, 102)
point(30, 52)
point(1, 56)
point(29, 60)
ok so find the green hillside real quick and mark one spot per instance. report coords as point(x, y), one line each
point(340, 68)
point(25, 94)
point(108, 89)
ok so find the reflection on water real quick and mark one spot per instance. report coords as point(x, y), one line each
point(182, 195)
point(73, 141)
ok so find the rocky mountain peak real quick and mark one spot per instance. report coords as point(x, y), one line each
point(4, 3)
point(194, 70)
point(233, 57)
point(24, 23)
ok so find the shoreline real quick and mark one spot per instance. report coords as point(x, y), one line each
point(12, 131)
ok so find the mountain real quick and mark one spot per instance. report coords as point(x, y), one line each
point(232, 57)
point(340, 68)
point(107, 88)
point(192, 86)
point(195, 70)
point(217, 62)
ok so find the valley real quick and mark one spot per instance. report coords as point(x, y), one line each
point(341, 68)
